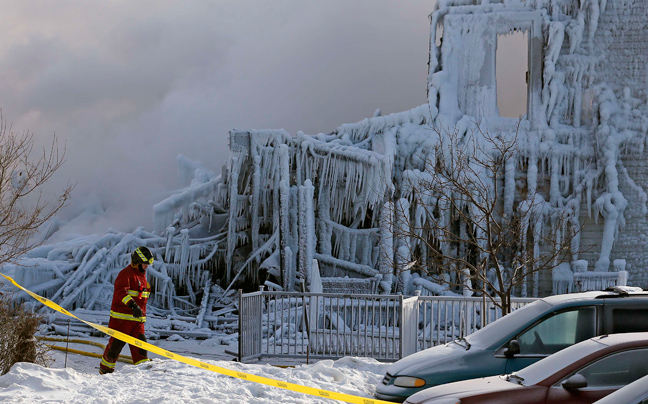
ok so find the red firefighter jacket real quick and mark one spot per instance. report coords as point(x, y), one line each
point(130, 285)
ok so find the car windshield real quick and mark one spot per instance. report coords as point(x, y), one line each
point(552, 364)
point(499, 329)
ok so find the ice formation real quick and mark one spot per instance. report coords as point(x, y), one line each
point(580, 152)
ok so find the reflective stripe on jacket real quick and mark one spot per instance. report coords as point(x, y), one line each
point(134, 293)
point(130, 285)
point(124, 316)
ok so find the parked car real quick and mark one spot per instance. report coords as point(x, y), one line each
point(634, 393)
point(580, 374)
point(519, 339)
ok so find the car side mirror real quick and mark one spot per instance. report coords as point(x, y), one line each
point(513, 349)
point(575, 382)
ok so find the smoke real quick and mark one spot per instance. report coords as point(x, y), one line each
point(127, 86)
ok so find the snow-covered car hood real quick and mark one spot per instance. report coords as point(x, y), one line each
point(423, 361)
point(463, 389)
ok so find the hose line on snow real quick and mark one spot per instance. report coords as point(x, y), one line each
point(122, 358)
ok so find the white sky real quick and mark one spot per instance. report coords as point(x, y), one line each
point(130, 85)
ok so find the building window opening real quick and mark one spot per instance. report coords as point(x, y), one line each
point(512, 73)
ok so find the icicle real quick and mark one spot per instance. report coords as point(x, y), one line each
point(306, 232)
point(386, 245)
point(554, 44)
point(324, 209)
point(254, 211)
point(509, 185)
point(205, 299)
point(403, 248)
point(554, 192)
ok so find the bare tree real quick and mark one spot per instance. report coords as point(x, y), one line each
point(466, 214)
point(23, 207)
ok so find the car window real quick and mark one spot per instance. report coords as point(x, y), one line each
point(549, 366)
point(558, 331)
point(617, 369)
point(634, 393)
point(496, 330)
point(629, 320)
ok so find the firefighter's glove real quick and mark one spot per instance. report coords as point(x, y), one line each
point(137, 311)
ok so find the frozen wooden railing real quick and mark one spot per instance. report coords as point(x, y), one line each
point(584, 281)
point(359, 246)
point(332, 325)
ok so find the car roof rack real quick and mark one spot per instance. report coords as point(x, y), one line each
point(624, 290)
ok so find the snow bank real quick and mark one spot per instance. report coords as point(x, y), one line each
point(173, 382)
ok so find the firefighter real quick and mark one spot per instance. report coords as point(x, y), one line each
point(128, 309)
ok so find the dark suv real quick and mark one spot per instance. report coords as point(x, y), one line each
point(519, 339)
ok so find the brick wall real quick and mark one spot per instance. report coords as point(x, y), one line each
point(632, 244)
point(622, 40)
point(622, 36)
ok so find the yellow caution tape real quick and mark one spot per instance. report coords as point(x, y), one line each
point(199, 364)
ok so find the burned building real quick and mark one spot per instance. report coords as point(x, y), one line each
point(336, 200)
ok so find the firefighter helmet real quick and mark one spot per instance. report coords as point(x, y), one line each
point(142, 255)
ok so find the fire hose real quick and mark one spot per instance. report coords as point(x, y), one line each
point(122, 358)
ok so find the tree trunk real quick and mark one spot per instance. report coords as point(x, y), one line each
point(506, 303)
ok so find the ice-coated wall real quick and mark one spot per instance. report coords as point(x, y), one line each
point(587, 133)
point(622, 37)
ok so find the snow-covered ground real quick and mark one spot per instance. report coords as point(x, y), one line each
point(166, 381)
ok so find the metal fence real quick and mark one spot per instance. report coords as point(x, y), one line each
point(250, 324)
point(328, 325)
point(442, 319)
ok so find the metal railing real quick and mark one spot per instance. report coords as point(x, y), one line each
point(584, 281)
point(442, 319)
point(250, 324)
point(328, 325)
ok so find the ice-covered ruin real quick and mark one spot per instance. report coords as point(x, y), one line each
point(333, 197)
point(285, 202)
